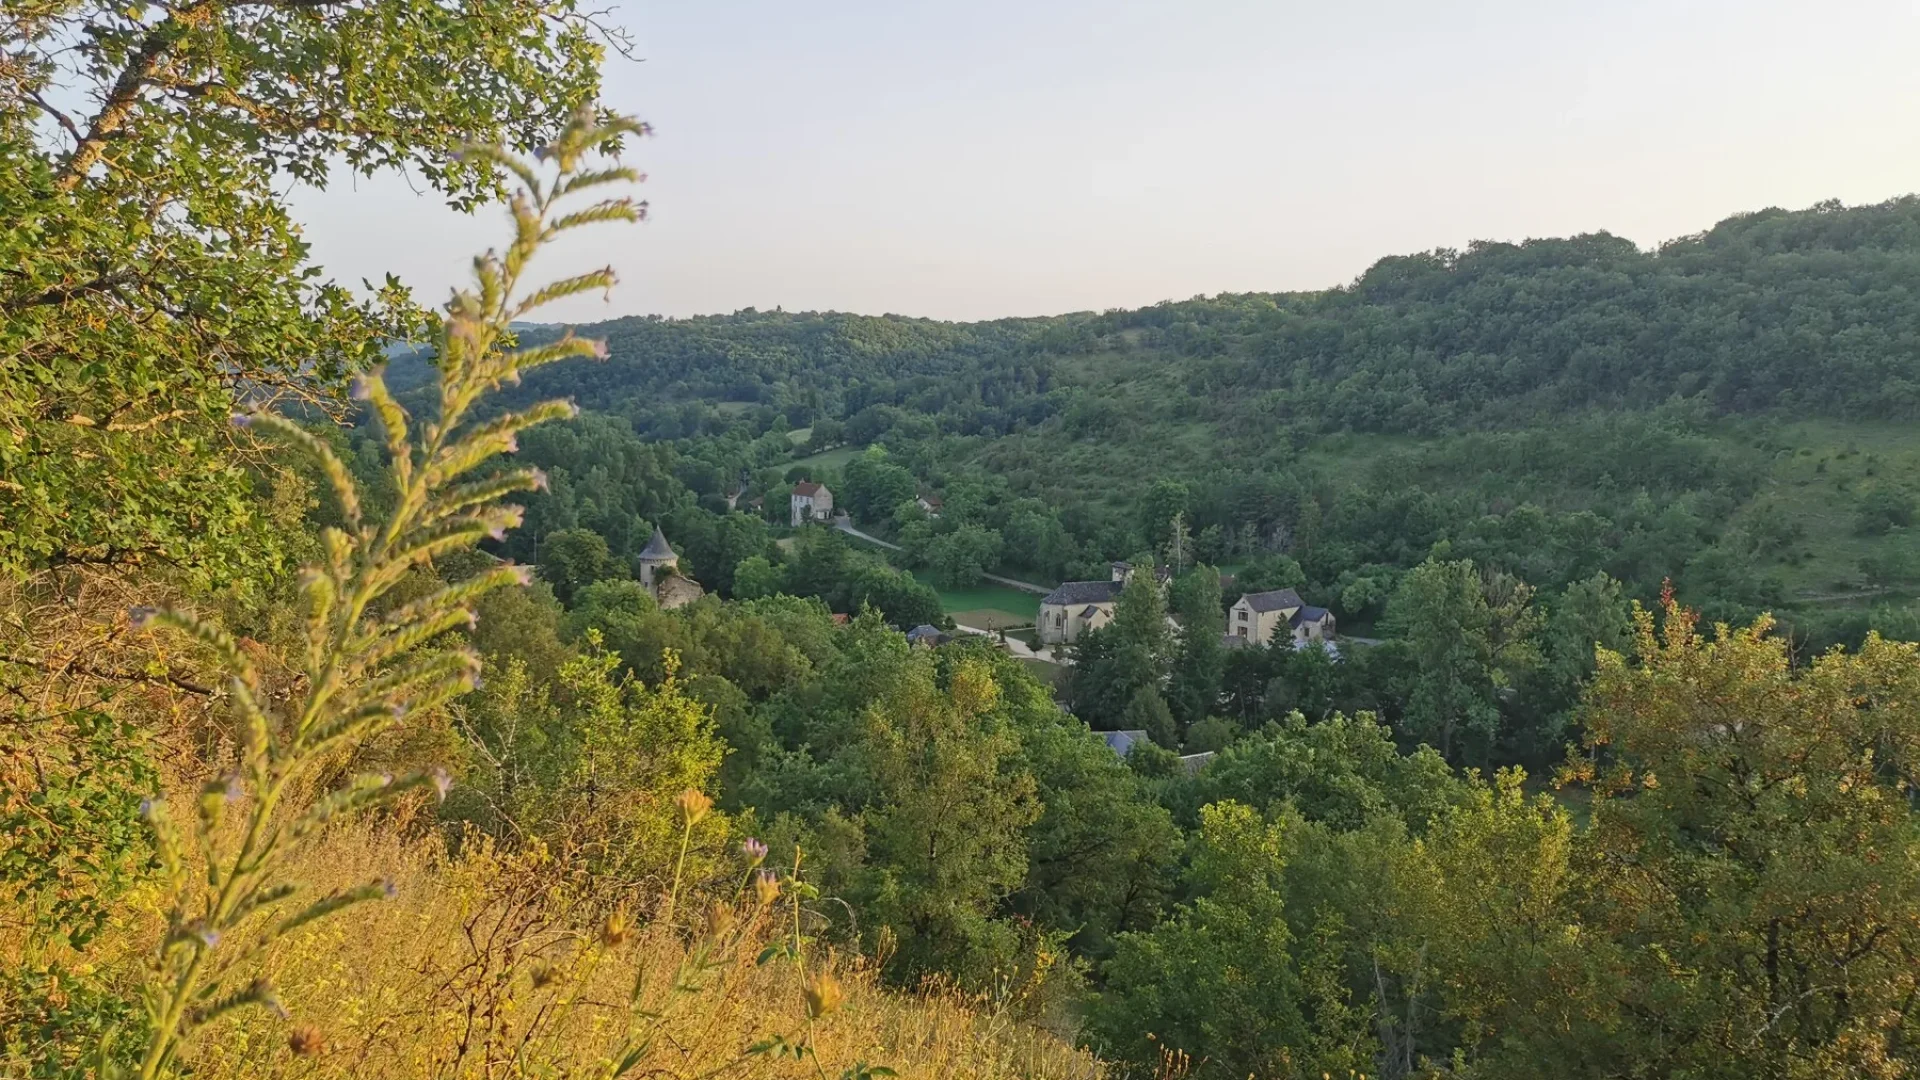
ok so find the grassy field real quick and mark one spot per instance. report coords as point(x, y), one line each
point(799, 435)
point(732, 408)
point(829, 459)
point(987, 607)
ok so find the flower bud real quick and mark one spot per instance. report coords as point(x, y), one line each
point(694, 804)
point(823, 995)
point(307, 1041)
point(616, 930)
point(719, 920)
point(754, 850)
point(766, 887)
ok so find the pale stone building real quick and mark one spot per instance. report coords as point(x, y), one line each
point(811, 502)
point(1266, 617)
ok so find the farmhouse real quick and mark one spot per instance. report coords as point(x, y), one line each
point(660, 574)
point(1079, 606)
point(1266, 617)
point(811, 502)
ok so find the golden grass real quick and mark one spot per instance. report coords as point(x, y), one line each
point(482, 967)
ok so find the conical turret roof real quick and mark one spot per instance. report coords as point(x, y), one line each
point(657, 548)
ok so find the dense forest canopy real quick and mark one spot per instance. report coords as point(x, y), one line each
point(1809, 312)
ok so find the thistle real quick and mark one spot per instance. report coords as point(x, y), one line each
point(362, 672)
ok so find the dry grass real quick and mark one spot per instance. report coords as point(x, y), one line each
point(482, 967)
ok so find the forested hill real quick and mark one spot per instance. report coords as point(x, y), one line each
point(1729, 412)
point(1806, 312)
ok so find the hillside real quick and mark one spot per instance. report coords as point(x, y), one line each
point(1727, 410)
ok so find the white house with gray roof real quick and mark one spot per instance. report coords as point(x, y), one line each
point(1266, 617)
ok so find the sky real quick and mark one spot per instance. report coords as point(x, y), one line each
point(998, 158)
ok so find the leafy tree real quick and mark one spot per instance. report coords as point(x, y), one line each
point(1131, 653)
point(1164, 501)
point(1269, 572)
point(1465, 639)
point(958, 558)
point(952, 804)
point(755, 577)
point(1224, 983)
point(1881, 510)
point(572, 559)
point(873, 485)
point(1199, 664)
point(1148, 712)
point(155, 275)
point(1739, 934)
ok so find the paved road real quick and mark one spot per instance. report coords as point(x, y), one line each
point(1020, 648)
point(845, 525)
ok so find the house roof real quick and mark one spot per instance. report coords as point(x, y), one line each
point(1332, 649)
point(657, 549)
point(840, 618)
point(808, 488)
point(1122, 741)
point(1306, 615)
point(1193, 763)
point(1277, 600)
point(1089, 611)
point(1083, 592)
point(925, 632)
point(931, 500)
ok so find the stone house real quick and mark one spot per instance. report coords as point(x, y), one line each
point(660, 574)
point(1266, 617)
point(1079, 606)
point(811, 502)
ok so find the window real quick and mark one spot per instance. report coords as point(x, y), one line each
point(1243, 615)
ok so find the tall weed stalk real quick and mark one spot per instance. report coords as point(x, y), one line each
point(364, 672)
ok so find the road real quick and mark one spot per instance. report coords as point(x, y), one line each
point(845, 525)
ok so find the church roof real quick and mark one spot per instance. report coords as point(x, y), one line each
point(657, 549)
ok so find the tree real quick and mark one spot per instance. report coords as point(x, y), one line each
point(155, 274)
point(1148, 712)
point(1751, 880)
point(873, 485)
point(952, 806)
point(755, 577)
point(1269, 572)
point(959, 557)
point(1882, 510)
point(1199, 664)
point(572, 559)
point(1464, 639)
point(1164, 501)
point(1130, 653)
point(1224, 983)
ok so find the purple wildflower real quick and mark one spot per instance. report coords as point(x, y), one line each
point(754, 850)
point(240, 420)
point(601, 350)
point(362, 388)
point(539, 479)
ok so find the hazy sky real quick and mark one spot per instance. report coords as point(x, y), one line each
point(995, 157)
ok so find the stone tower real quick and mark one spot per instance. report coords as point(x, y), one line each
point(658, 557)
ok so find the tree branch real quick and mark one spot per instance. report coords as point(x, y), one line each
point(119, 104)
